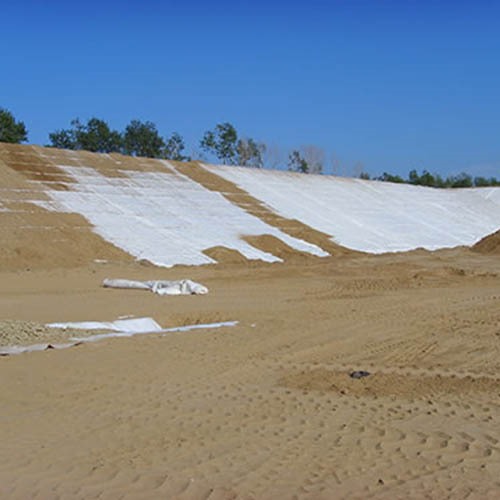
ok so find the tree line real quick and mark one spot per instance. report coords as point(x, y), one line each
point(435, 180)
point(137, 139)
point(223, 144)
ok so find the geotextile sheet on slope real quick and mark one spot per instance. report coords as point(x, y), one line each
point(374, 216)
point(165, 218)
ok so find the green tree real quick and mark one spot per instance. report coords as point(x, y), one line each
point(11, 130)
point(462, 180)
point(386, 177)
point(484, 182)
point(222, 142)
point(426, 179)
point(459, 181)
point(143, 139)
point(481, 182)
point(63, 139)
point(413, 177)
point(95, 136)
point(297, 163)
point(174, 147)
point(307, 160)
point(439, 181)
point(250, 153)
point(315, 159)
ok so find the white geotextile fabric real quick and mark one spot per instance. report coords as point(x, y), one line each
point(138, 330)
point(374, 216)
point(133, 325)
point(179, 287)
point(156, 216)
point(20, 349)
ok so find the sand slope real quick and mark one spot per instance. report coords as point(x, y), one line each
point(33, 236)
point(59, 207)
point(489, 244)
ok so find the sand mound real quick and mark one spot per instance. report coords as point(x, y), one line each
point(275, 246)
point(489, 244)
point(223, 255)
point(16, 332)
point(21, 332)
point(42, 240)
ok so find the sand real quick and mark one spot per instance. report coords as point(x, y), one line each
point(265, 409)
point(262, 410)
point(26, 333)
point(489, 244)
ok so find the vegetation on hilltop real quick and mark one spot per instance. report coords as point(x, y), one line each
point(138, 139)
point(95, 136)
point(435, 180)
point(11, 130)
point(307, 160)
point(222, 144)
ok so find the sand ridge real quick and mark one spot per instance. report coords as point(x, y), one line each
point(489, 244)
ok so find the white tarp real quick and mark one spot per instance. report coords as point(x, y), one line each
point(19, 349)
point(134, 325)
point(187, 328)
point(139, 324)
point(179, 287)
point(164, 217)
point(374, 216)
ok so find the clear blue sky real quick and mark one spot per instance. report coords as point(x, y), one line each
point(392, 84)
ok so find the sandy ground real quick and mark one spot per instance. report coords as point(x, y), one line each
point(265, 409)
point(28, 333)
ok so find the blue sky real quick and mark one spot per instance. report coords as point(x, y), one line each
point(394, 85)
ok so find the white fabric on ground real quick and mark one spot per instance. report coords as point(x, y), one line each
point(10, 350)
point(179, 287)
point(374, 216)
point(165, 218)
point(134, 325)
point(19, 349)
point(187, 328)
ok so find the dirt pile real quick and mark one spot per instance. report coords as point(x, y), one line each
point(275, 246)
point(489, 244)
point(17, 332)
